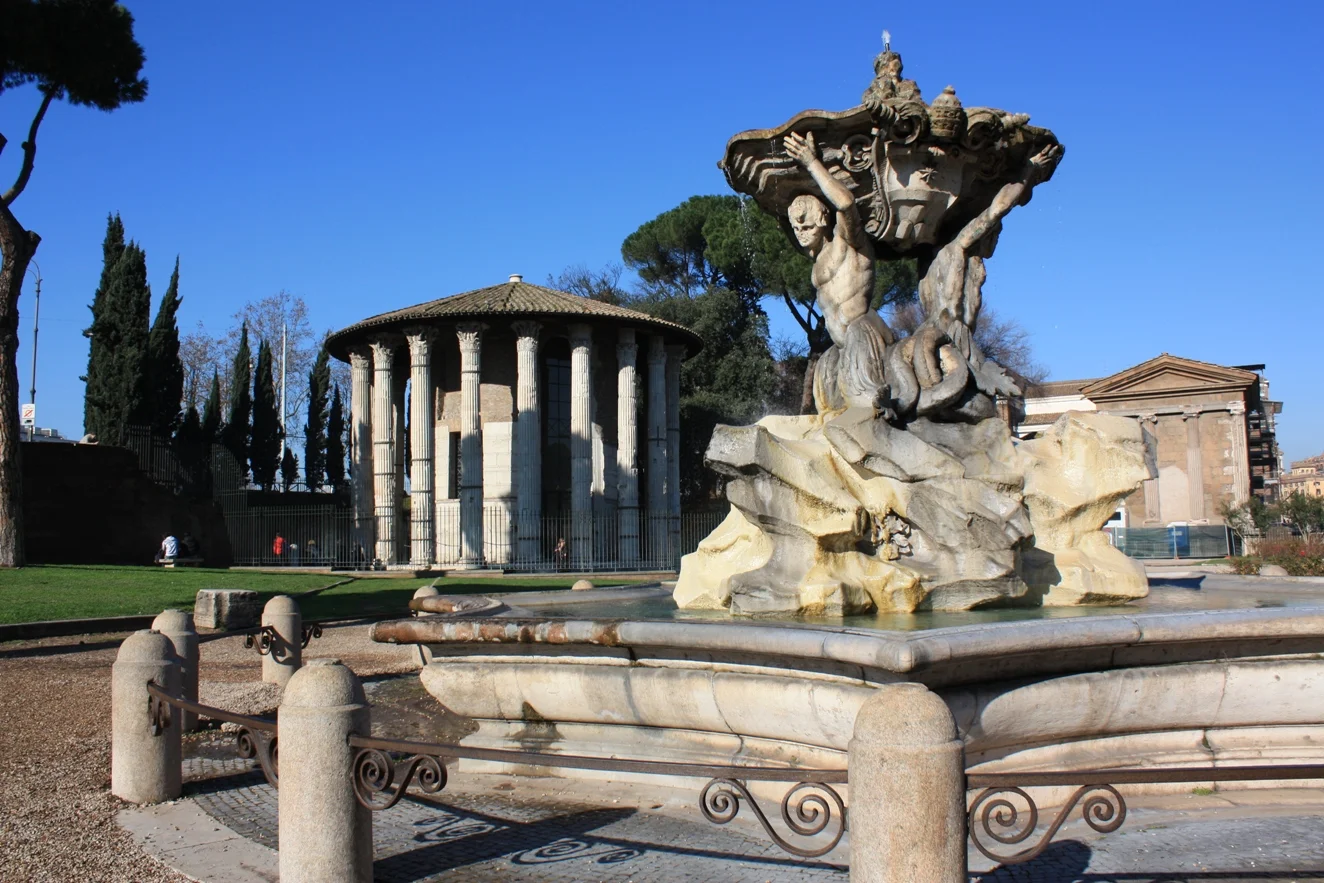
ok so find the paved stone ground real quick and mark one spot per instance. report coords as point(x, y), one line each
point(1273, 847)
point(466, 835)
point(473, 832)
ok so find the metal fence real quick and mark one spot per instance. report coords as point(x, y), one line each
point(168, 463)
point(1178, 541)
point(310, 536)
point(606, 541)
point(325, 535)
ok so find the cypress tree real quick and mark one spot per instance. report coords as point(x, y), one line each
point(112, 247)
point(264, 450)
point(314, 445)
point(289, 469)
point(211, 413)
point(236, 432)
point(118, 389)
point(190, 444)
point(335, 441)
point(165, 372)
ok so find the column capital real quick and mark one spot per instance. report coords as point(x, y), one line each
point(581, 334)
point(420, 334)
point(657, 353)
point(360, 357)
point(1237, 407)
point(470, 335)
point(420, 345)
point(383, 347)
point(676, 351)
point(526, 329)
point(1189, 411)
point(1149, 417)
point(627, 350)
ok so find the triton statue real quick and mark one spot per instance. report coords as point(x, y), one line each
point(905, 491)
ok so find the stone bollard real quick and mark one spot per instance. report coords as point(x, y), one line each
point(325, 833)
point(178, 627)
point(426, 592)
point(144, 768)
point(424, 652)
point(907, 789)
point(286, 654)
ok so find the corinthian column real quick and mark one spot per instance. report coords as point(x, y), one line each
point(1240, 454)
point(1153, 510)
point(470, 335)
point(398, 395)
point(383, 446)
point(675, 356)
point(360, 448)
point(581, 445)
point(657, 450)
point(1194, 461)
point(528, 448)
point(421, 438)
point(627, 454)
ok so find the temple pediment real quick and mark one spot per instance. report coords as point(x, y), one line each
point(1168, 375)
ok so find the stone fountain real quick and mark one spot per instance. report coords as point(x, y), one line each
point(907, 490)
point(904, 492)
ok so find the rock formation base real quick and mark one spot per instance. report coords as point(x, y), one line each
point(845, 513)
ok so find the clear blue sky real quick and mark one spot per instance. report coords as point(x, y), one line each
point(368, 157)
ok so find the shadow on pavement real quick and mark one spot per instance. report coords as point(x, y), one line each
point(455, 838)
point(1066, 861)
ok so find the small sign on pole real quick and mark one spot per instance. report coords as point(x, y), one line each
point(28, 414)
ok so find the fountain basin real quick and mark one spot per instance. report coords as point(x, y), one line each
point(1227, 675)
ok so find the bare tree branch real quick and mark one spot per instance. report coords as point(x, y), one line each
point(790, 305)
point(29, 152)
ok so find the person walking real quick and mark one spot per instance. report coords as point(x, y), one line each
point(278, 548)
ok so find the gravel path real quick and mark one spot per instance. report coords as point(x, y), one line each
point(57, 815)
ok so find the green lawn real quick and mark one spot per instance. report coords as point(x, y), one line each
point(38, 593)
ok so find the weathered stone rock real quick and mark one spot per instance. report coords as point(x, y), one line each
point(226, 609)
point(1075, 475)
point(582, 585)
point(847, 513)
point(1273, 570)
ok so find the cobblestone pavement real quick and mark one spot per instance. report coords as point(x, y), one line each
point(468, 833)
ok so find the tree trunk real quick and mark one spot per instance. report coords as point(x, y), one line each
point(17, 246)
point(807, 388)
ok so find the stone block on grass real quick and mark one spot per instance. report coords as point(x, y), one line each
point(226, 609)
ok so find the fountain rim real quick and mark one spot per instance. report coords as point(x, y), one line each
point(902, 653)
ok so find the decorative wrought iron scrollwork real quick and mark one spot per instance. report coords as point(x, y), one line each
point(262, 746)
point(996, 816)
point(263, 639)
point(380, 782)
point(159, 713)
point(310, 632)
point(806, 815)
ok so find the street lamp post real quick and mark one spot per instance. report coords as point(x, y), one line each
point(36, 314)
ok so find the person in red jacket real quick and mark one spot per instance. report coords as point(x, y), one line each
point(278, 549)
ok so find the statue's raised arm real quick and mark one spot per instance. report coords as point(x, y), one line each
point(805, 152)
point(1037, 169)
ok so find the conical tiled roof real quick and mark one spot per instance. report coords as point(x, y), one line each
point(512, 299)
